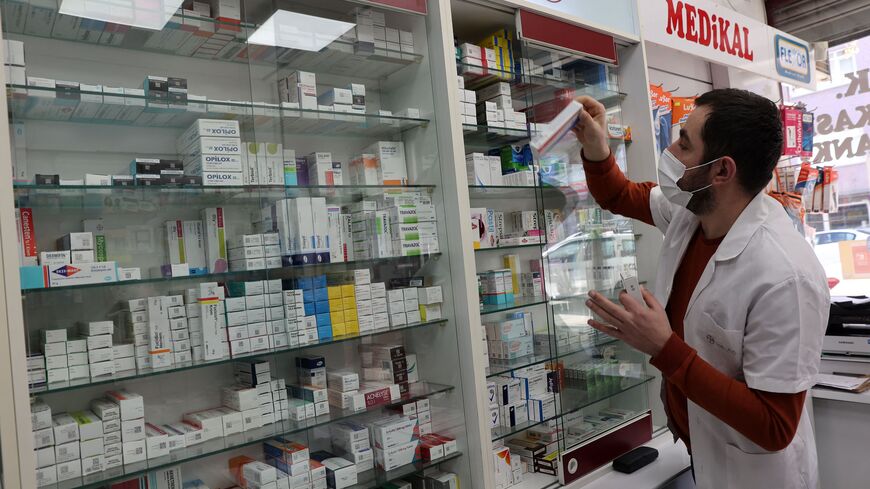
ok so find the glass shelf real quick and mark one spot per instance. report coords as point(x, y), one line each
point(149, 372)
point(512, 247)
point(338, 58)
point(516, 304)
point(36, 103)
point(579, 400)
point(523, 85)
point(477, 76)
point(477, 135)
point(274, 273)
point(574, 440)
point(116, 198)
point(503, 432)
point(418, 390)
point(509, 366)
point(374, 478)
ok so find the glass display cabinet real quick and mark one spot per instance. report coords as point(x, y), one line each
point(564, 399)
point(232, 244)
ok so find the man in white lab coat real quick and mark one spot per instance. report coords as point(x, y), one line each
point(740, 303)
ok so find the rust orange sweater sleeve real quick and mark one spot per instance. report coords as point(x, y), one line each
point(769, 419)
point(616, 193)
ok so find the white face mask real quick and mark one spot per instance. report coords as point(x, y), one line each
point(670, 171)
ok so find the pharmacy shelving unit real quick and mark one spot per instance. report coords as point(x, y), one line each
point(584, 248)
point(69, 132)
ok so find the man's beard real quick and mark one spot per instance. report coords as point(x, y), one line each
point(703, 201)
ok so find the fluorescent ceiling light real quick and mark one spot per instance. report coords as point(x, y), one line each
point(299, 31)
point(148, 14)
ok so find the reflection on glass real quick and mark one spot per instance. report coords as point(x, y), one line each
point(137, 13)
point(299, 31)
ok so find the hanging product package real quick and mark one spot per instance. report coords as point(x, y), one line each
point(806, 183)
point(807, 131)
point(660, 102)
point(791, 131)
point(681, 108)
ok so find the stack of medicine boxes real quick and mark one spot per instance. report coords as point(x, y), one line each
point(342, 386)
point(163, 92)
point(98, 336)
point(110, 415)
point(396, 441)
point(413, 228)
point(54, 347)
point(194, 324)
point(476, 59)
point(155, 171)
point(467, 104)
point(213, 149)
point(262, 163)
point(176, 311)
point(250, 316)
point(343, 310)
point(136, 321)
point(246, 400)
point(271, 393)
point(131, 408)
point(323, 171)
point(384, 365)
point(316, 395)
point(295, 323)
point(14, 66)
point(311, 372)
point(371, 302)
point(511, 338)
point(124, 355)
point(75, 247)
point(315, 298)
point(43, 442)
point(36, 374)
point(90, 429)
point(254, 252)
point(500, 43)
point(292, 460)
point(483, 170)
point(370, 231)
point(67, 450)
point(430, 300)
point(159, 333)
point(403, 307)
point(497, 287)
point(351, 440)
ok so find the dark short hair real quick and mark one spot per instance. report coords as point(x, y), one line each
point(746, 127)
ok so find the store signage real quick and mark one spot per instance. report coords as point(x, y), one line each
point(792, 59)
point(720, 35)
point(694, 24)
point(413, 6)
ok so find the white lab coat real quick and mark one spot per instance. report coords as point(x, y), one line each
point(758, 314)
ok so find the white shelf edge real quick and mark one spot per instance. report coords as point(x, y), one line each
point(837, 395)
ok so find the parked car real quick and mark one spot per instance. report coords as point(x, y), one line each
point(826, 245)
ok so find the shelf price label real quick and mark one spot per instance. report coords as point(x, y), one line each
point(412, 6)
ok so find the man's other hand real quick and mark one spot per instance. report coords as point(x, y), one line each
point(643, 326)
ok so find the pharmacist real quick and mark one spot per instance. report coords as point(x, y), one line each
point(740, 303)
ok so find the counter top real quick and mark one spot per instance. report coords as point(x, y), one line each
point(673, 459)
